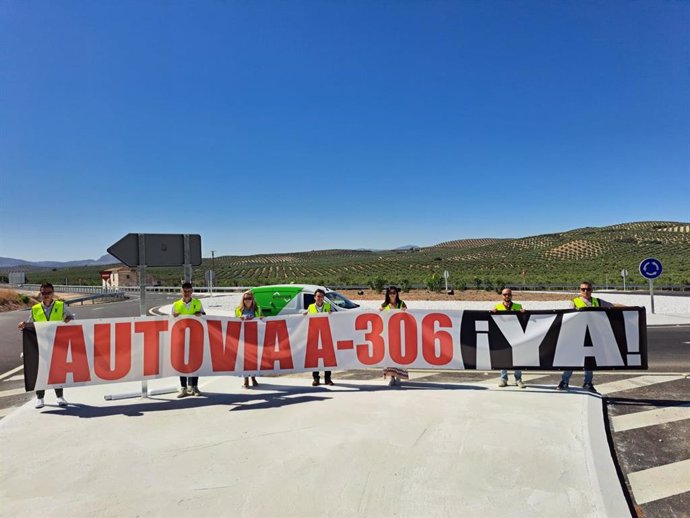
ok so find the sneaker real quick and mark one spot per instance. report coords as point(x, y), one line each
point(254, 382)
point(245, 385)
point(589, 388)
point(329, 382)
point(521, 384)
point(562, 386)
point(315, 383)
point(183, 393)
point(195, 391)
point(391, 382)
point(39, 402)
point(62, 401)
point(502, 383)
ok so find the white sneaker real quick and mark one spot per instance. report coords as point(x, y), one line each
point(39, 403)
point(62, 401)
point(391, 383)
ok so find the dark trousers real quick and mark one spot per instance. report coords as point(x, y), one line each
point(40, 394)
point(315, 375)
point(193, 381)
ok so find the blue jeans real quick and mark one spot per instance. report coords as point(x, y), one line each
point(589, 376)
point(504, 374)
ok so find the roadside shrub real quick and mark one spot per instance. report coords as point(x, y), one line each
point(433, 283)
point(377, 284)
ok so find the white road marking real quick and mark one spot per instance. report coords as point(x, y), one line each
point(633, 383)
point(12, 392)
point(660, 482)
point(620, 423)
point(9, 373)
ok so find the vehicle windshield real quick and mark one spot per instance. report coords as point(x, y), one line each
point(340, 300)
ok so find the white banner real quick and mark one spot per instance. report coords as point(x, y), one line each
point(132, 349)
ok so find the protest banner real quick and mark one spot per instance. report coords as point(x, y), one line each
point(134, 349)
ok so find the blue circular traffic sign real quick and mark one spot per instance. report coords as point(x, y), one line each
point(650, 268)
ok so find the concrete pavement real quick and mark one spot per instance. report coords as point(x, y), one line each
point(287, 449)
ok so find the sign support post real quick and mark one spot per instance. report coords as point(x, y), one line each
point(142, 296)
point(650, 269)
point(142, 250)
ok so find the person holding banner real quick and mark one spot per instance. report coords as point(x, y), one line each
point(507, 304)
point(320, 306)
point(48, 310)
point(248, 310)
point(585, 300)
point(188, 305)
point(393, 302)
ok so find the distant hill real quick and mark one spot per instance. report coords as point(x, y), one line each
point(8, 262)
point(597, 254)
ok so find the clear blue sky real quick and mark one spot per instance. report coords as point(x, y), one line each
point(275, 126)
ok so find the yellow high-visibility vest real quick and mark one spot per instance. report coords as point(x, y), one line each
point(57, 314)
point(312, 308)
point(181, 308)
point(238, 312)
point(579, 303)
point(513, 307)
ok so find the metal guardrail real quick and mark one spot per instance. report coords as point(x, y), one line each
point(110, 295)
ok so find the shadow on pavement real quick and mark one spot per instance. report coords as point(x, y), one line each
point(267, 396)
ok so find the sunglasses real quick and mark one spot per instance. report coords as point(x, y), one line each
point(248, 298)
point(585, 289)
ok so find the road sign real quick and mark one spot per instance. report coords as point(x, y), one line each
point(446, 274)
point(650, 268)
point(624, 273)
point(159, 249)
point(210, 277)
point(105, 275)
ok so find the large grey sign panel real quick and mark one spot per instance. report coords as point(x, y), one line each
point(159, 249)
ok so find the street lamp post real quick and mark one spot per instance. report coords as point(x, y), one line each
point(213, 270)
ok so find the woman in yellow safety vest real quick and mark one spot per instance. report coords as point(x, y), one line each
point(248, 310)
point(392, 302)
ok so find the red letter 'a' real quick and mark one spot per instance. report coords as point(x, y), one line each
point(151, 329)
point(276, 346)
point(223, 353)
point(178, 335)
point(251, 338)
point(319, 331)
point(69, 342)
point(106, 365)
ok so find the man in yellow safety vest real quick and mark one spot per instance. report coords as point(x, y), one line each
point(507, 304)
point(320, 306)
point(48, 310)
point(188, 305)
point(585, 300)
